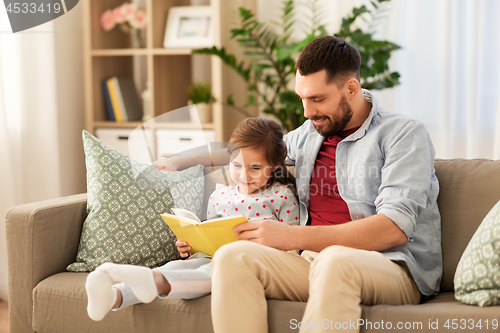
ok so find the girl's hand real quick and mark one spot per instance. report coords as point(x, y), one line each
point(183, 248)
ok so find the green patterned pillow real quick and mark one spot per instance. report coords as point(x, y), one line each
point(477, 278)
point(125, 199)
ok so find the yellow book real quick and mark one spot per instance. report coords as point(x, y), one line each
point(114, 100)
point(205, 236)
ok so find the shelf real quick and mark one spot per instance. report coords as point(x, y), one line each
point(171, 51)
point(184, 125)
point(118, 52)
point(113, 124)
point(141, 51)
point(153, 125)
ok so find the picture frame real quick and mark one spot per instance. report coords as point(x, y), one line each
point(189, 27)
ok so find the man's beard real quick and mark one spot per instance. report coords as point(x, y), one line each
point(339, 122)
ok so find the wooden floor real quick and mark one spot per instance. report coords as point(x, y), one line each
point(4, 318)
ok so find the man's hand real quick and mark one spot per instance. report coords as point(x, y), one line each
point(269, 233)
point(183, 248)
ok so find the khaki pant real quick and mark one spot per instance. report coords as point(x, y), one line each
point(334, 285)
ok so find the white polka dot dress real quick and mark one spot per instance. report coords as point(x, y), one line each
point(275, 203)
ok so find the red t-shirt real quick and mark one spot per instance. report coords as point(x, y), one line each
point(326, 206)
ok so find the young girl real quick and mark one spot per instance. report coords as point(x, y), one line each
point(262, 190)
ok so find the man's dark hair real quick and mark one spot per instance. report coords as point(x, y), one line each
point(339, 58)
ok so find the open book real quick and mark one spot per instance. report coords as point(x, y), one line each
point(205, 236)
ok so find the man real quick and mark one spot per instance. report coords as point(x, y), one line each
point(367, 189)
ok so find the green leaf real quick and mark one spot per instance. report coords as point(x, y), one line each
point(260, 67)
point(245, 14)
point(251, 101)
point(386, 81)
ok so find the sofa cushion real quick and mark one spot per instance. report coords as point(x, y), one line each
point(125, 199)
point(467, 191)
point(477, 279)
point(60, 306)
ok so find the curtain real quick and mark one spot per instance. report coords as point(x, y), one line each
point(450, 68)
point(41, 116)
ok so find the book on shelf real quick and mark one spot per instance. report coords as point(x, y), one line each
point(124, 100)
point(206, 236)
point(128, 97)
point(107, 100)
point(114, 100)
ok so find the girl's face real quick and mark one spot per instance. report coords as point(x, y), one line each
point(250, 170)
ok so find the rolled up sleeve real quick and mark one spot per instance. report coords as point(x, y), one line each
point(406, 177)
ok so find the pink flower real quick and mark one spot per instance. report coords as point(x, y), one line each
point(118, 15)
point(128, 10)
point(139, 20)
point(108, 20)
point(126, 15)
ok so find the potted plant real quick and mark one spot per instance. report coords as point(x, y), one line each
point(271, 54)
point(200, 101)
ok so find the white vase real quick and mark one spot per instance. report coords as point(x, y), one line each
point(137, 39)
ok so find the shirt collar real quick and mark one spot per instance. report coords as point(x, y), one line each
point(373, 112)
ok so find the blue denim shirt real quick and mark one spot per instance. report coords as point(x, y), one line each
point(385, 167)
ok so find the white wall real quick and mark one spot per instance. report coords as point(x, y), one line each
point(70, 99)
point(333, 11)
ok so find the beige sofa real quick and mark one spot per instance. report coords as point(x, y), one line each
point(42, 239)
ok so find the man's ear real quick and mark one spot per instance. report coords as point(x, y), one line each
point(353, 87)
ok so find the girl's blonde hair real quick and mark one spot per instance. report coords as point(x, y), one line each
point(267, 136)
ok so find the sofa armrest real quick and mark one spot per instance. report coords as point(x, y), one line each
point(42, 240)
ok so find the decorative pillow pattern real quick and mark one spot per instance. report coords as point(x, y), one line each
point(125, 199)
point(477, 278)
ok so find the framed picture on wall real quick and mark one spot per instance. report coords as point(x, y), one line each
point(189, 27)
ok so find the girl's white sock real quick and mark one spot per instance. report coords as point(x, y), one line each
point(139, 278)
point(100, 293)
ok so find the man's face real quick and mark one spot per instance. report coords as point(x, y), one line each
point(324, 103)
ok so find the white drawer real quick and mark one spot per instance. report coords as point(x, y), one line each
point(130, 141)
point(173, 141)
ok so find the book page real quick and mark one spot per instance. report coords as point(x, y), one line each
point(186, 214)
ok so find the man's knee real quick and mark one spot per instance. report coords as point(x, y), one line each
point(231, 254)
point(230, 250)
point(338, 260)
